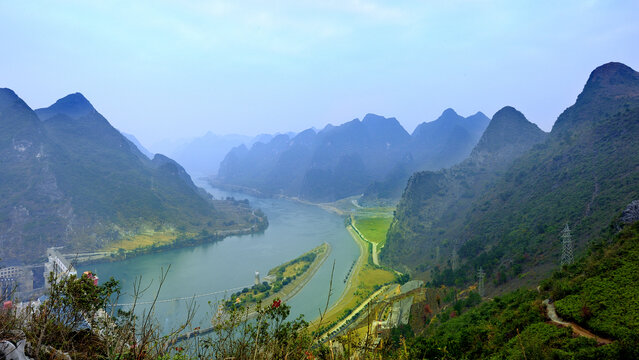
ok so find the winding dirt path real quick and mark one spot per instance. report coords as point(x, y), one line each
point(552, 314)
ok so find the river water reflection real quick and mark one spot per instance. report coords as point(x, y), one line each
point(294, 228)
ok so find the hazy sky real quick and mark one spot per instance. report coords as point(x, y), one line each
point(171, 69)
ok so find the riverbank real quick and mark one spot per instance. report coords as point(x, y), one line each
point(366, 279)
point(366, 276)
point(340, 207)
point(373, 245)
point(176, 240)
point(234, 188)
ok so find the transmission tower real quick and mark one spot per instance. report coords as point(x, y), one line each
point(480, 281)
point(454, 261)
point(566, 246)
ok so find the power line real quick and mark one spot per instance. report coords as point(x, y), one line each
point(185, 297)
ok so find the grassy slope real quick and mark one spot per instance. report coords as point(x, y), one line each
point(602, 292)
point(598, 292)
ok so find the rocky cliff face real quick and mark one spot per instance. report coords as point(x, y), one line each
point(436, 201)
point(583, 174)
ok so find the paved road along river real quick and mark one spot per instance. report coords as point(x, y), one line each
point(294, 228)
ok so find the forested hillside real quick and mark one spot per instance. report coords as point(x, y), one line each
point(597, 293)
point(587, 170)
point(70, 179)
point(444, 197)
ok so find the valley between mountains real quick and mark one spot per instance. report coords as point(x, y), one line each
point(469, 238)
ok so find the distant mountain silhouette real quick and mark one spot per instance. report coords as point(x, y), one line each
point(137, 144)
point(434, 145)
point(344, 160)
point(447, 140)
point(201, 156)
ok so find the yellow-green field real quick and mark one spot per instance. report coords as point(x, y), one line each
point(143, 240)
point(294, 267)
point(372, 224)
point(374, 228)
point(361, 284)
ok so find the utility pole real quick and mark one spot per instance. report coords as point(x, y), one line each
point(566, 246)
point(480, 282)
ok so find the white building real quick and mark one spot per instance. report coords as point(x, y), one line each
point(58, 265)
point(15, 280)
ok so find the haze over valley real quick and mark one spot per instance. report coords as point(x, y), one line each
point(319, 180)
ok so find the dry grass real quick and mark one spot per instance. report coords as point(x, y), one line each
point(294, 269)
point(143, 240)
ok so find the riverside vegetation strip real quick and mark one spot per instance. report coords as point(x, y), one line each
point(366, 277)
point(149, 239)
point(290, 277)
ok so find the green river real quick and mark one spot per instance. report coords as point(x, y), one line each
point(294, 228)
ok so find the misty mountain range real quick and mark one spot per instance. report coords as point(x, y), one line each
point(344, 160)
point(375, 157)
point(201, 156)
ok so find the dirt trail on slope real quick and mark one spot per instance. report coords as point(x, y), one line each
point(552, 314)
